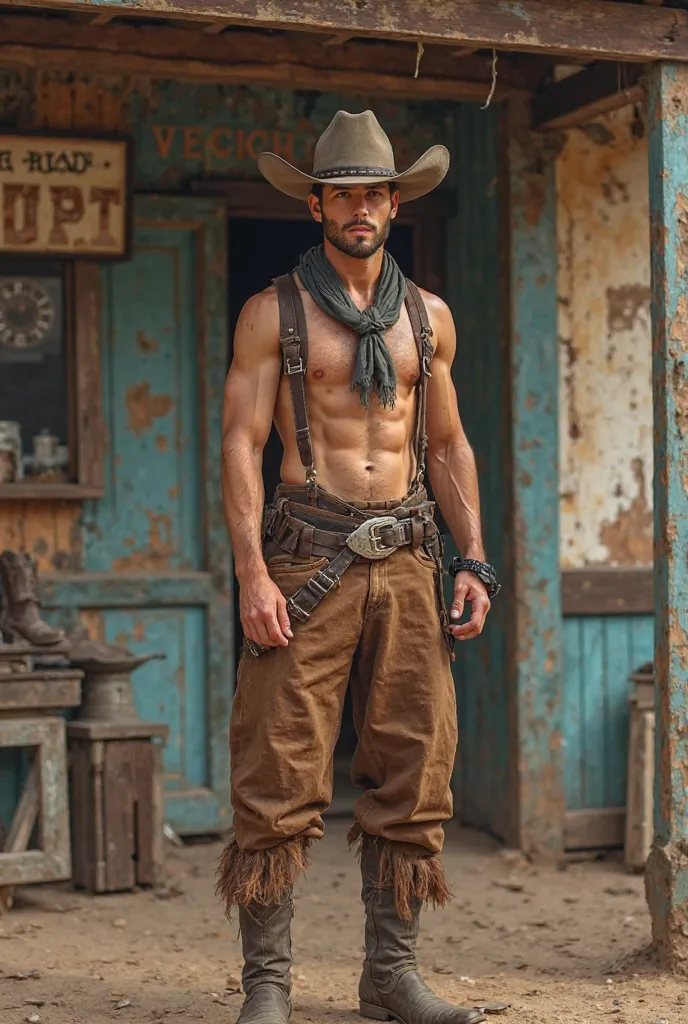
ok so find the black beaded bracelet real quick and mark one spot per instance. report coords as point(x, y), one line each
point(483, 570)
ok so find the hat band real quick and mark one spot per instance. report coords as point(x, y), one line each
point(356, 172)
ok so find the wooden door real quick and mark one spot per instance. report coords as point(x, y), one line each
point(157, 540)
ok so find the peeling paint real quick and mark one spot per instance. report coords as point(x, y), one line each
point(146, 343)
point(628, 538)
point(143, 407)
point(158, 550)
point(605, 346)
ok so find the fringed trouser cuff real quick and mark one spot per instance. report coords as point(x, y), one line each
point(265, 877)
point(413, 877)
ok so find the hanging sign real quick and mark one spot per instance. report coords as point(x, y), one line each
point(64, 196)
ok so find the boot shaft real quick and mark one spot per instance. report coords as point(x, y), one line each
point(266, 943)
point(19, 578)
point(20, 619)
point(390, 940)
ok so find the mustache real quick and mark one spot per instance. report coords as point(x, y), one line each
point(360, 224)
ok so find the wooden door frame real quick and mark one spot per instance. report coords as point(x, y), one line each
point(426, 215)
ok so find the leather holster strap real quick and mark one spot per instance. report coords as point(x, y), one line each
point(304, 601)
point(414, 526)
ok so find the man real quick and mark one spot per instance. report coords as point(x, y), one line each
point(341, 579)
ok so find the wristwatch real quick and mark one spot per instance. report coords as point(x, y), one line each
point(482, 570)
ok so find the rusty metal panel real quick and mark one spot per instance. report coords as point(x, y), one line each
point(604, 335)
point(667, 871)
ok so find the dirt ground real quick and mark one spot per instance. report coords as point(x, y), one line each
point(557, 945)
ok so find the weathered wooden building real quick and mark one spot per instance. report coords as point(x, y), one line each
point(539, 240)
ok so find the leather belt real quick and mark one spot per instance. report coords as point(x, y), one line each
point(373, 539)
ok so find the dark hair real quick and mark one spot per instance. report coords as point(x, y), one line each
point(317, 188)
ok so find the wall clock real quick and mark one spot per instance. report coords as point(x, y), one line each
point(30, 317)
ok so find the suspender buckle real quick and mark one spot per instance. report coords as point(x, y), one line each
point(321, 584)
point(292, 368)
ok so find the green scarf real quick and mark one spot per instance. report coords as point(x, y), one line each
point(374, 371)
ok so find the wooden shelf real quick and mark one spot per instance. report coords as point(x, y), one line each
point(27, 491)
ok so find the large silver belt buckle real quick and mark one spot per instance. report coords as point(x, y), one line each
point(366, 539)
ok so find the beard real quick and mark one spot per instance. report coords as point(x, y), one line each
point(359, 248)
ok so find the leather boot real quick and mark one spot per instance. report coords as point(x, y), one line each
point(20, 620)
point(391, 987)
point(266, 941)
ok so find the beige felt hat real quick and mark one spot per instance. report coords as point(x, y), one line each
point(354, 150)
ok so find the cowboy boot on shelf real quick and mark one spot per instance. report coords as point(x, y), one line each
point(391, 987)
point(265, 978)
point(20, 620)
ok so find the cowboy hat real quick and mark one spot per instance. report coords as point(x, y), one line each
point(354, 150)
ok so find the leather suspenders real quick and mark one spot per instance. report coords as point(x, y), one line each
point(294, 345)
point(422, 332)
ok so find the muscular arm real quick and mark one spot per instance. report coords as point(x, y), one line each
point(249, 403)
point(452, 470)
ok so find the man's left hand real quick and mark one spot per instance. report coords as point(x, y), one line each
point(467, 587)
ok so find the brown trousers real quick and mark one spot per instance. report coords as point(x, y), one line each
point(380, 630)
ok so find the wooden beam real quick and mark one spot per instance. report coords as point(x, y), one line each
point(593, 28)
point(583, 96)
point(339, 39)
point(594, 829)
point(215, 28)
point(103, 19)
point(516, 76)
point(607, 591)
point(278, 75)
point(298, 60)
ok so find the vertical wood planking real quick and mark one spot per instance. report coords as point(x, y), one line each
point(594, 711)
point(574, 761)
point(145, 821)
point(618, 648)
point(120, 779)
point(667, 869)
point(600, 652)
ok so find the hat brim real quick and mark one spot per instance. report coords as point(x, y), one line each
point(420, 178)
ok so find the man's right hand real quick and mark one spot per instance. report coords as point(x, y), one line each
point(263, 611)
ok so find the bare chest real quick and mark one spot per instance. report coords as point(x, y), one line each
point(332, 349)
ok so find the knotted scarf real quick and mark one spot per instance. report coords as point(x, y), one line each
point(374, 371)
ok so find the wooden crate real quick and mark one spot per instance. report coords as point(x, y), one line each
point(43, 802)
point(116, 804)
